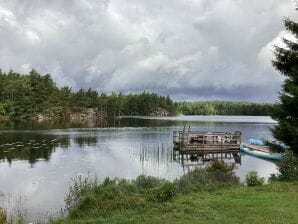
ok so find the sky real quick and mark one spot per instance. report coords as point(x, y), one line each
point(188, 49)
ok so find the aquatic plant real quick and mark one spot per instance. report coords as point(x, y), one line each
point(80, 185)
point(4, 219)
point(3, 216)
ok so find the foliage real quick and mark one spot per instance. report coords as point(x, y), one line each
point(114, 194)
point(163, 193)
point(148, 182)
point(3, 108)
point(220, 166)
point(252, 179)
point(271, 203)
point(80, 186)
point(286, 111)
point(288, 167)
point(207, 178)
point(223, 108)
point(24, 96)
point(105, 198)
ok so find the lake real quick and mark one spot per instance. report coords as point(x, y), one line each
point(37, 162)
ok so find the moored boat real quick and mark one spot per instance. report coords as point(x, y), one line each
point(260, 152)
point(274, 143)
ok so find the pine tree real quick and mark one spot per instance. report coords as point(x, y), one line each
point(286, 111)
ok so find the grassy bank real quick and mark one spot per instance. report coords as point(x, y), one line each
point(198, 197)
point(273, 203)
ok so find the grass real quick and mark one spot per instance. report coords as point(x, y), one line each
point(209, 198)
point(273, 203)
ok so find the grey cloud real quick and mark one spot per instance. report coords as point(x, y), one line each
point(189, 49)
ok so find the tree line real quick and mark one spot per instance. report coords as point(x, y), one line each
point(23, 96)
point(224, 108)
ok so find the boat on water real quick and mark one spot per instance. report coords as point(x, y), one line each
point(256, 141)
point(260, 152)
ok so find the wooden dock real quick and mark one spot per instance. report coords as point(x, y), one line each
point(207, 145)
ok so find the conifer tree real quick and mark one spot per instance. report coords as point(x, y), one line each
point(286, 111)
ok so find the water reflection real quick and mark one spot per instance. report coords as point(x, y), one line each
point(32, 125)
point(29, 147)
point(86, 141)
point(191, 161)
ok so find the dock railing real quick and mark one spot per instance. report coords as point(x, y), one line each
point(185, 140)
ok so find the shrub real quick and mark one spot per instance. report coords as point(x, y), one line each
point(288, 167)
point(207, 178)
point(80, 186)
point(220, 178)
point(127, 187)
point(252, 179)
point(163, 193)
point(220, 165)
point(149, 182)
point(195, 179)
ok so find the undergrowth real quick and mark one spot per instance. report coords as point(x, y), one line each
point(91, 198)
point(209, 195)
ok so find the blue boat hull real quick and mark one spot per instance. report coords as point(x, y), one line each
point(259, 154)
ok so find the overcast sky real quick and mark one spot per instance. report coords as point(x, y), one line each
point(189, 49)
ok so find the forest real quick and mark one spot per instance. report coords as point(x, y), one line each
point(22, 96)
point(224, 108)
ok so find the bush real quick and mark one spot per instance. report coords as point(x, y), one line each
point(80, 186)
point(195, 179)
point(220, 165)
point(252, 179)
point(288, 167)
point(163, 193)
point(104, 198)
point(208, 178)
point(149, 182)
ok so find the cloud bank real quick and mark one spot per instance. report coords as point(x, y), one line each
point(189, 49)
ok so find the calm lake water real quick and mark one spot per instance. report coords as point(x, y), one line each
point(37, 162)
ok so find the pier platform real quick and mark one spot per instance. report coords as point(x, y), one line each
point(207, 145)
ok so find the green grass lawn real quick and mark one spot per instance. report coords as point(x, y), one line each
point(276, 202)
